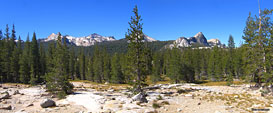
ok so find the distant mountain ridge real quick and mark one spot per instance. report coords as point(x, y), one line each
point(86, 40)
point(80, 41)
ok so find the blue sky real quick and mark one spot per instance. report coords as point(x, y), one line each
point(163, 19)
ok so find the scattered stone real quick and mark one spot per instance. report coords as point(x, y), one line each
point(18, 102)
point(47, 103)
point(28, 105)
point(173, 85)
point(4, 95)
point(141, 97)
point(271, 105)
point(150, 111)
point(21, 111)
point(179, 110)
point(111, 90)
point(199, 103)
point(152, 87)
point(4, 102)
point(16, 92)
point(8, 107)
point(188, 95)
point(107, 111)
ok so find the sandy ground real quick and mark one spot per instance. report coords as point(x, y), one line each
point(166, 98)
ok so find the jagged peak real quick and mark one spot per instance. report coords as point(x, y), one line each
point(199, 34)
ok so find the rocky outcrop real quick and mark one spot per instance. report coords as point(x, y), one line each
point(198, 40)
point(214, 42)
point(201, 39)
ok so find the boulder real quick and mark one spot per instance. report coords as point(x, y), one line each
point(47, 103)
point(4, 95)
point(141, 97)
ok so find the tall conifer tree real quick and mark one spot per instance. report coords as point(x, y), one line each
point(136, 50)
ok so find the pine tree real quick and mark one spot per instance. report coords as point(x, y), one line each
point(6, 55)
point(49, 57)
point(90, 70)
point(34, 61)
point(256, 36)
point(13, 57)
point(117, 76)
point(57, 80)
point(156, 68)
point(98, 65)
point(231, 73)
point(16, 53)
point(72, 64)
point(147, 54)
point(174, 71)
point(42, 61)
point(66, 57)
point(136, 50)
point(212, 64)
point(106, 66)
point(77, 69)
point(82, 64)
point(25, 63)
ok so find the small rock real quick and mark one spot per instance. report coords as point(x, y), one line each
point(111, 90)
point(150, 111)
point(47, 103)
point(188, 95)
point(18, 102)
point(4, 95)
point(21, 111)
point(28, 105)
point(107, 111)
point(4, 102)
point(141, 97)
point(179, 110)
point(16, 92)
point(6, 107)
point(199, 103)
point(271, 105)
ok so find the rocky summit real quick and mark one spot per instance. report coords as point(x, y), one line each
point(197, 40)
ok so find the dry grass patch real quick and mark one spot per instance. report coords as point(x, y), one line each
point(221, 83)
